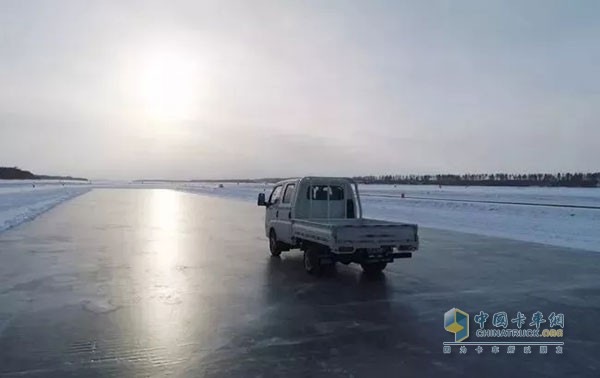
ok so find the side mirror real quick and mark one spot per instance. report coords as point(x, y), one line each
point(261, 199)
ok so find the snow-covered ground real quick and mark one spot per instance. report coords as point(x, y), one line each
point(22, 200)
point(566, 217)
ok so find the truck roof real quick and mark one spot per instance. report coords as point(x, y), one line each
point(315, 178)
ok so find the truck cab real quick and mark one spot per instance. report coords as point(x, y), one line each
point(316, 198)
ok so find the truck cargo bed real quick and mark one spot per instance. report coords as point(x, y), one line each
point(346, 235)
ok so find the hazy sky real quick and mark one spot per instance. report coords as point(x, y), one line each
point(194, 89)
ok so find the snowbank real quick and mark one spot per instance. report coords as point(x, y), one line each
point(565, 217)
point(23, 200)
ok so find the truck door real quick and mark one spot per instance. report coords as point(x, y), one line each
point(273, 209)
point(284, 222)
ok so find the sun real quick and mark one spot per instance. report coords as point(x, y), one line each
point(167, 86)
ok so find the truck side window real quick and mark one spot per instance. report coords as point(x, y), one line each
point(275, 194)
point(289, 192)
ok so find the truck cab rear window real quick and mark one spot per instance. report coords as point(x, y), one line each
point(321, 192)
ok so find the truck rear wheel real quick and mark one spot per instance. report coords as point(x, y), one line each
point(311, 261)
point(274, 245)
point(373, 268)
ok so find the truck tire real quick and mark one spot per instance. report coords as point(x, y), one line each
point(274, 245)
point(311, 261)
point(373, 268)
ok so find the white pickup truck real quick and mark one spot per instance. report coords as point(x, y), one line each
point(323, 217)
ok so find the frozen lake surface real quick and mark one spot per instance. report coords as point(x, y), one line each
point(564, 217)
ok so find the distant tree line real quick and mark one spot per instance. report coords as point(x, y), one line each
point(15, 173)
point(490, 179)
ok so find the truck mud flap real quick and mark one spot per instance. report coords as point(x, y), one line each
point(402, 255)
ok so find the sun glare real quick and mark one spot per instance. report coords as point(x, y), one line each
point(168, 86)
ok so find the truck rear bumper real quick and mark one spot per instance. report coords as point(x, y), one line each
point(370, 256)
point(350, 250)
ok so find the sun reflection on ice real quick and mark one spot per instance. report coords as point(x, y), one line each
point(165, 285)
point(165, 209)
